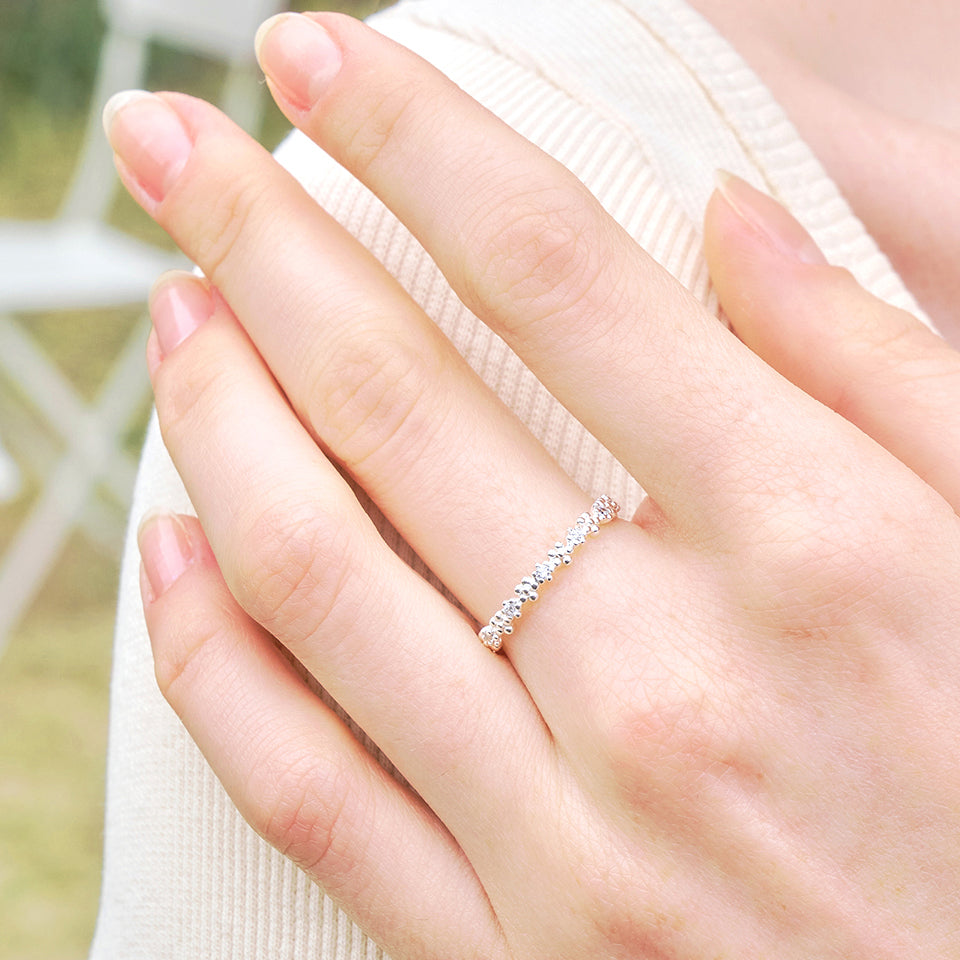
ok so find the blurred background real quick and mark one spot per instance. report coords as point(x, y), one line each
point(74, 403)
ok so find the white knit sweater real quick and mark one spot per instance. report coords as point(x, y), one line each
point(643, 101)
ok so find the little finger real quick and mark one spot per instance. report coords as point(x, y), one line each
point(293, 768)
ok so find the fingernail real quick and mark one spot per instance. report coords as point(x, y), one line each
point(298, 56)
point(165, 549)
point(149, 138)
point(179, 303)
point(769, 219)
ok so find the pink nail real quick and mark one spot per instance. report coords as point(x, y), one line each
point(769, 219)
point(149, 139)
point(299, 57)
point(165, 549)
point(179, 303)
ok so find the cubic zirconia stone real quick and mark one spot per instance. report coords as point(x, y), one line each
point(604, 509)
point(574, 539)
point(512, 608)
point(542, 572)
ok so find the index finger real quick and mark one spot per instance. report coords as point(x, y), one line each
point(685, 406)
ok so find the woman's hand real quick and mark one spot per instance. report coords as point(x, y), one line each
point(731, 728)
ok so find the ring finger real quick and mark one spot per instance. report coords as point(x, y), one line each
point(451, 467)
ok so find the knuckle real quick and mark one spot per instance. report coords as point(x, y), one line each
point(661, 746)
point(296, 569)
point(301, 809)
point(176, 658)
point(665, 723)
point(642, 920)
point(372, 399)
point(190, 394)
point(535, 253)
point(229, 213)
point(637, 929)
point(373, 131)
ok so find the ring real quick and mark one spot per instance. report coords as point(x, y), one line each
point(588, 524)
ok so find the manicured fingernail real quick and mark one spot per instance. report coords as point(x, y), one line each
point(179, 303)
point(299, 57)
point(165, 549)
point(149, 139)
point(769, 219)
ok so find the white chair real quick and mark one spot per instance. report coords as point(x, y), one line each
point(10, 477)
point(79, 260)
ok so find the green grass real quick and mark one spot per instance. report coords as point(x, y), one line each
point(53, 716)
point(54, 675)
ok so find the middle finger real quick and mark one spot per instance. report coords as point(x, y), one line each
point(684, 406)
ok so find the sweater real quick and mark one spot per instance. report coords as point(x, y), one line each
point(643, 100)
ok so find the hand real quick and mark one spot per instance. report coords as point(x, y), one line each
point(731, 728)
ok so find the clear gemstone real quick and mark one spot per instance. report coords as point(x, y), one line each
point(574, 538)
point(542, 572)
point(604, 509)
point(512, 608)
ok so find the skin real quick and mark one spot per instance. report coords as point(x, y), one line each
point(872, 87)
point(731, 732)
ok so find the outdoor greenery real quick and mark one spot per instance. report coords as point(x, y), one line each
point(54, 675)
